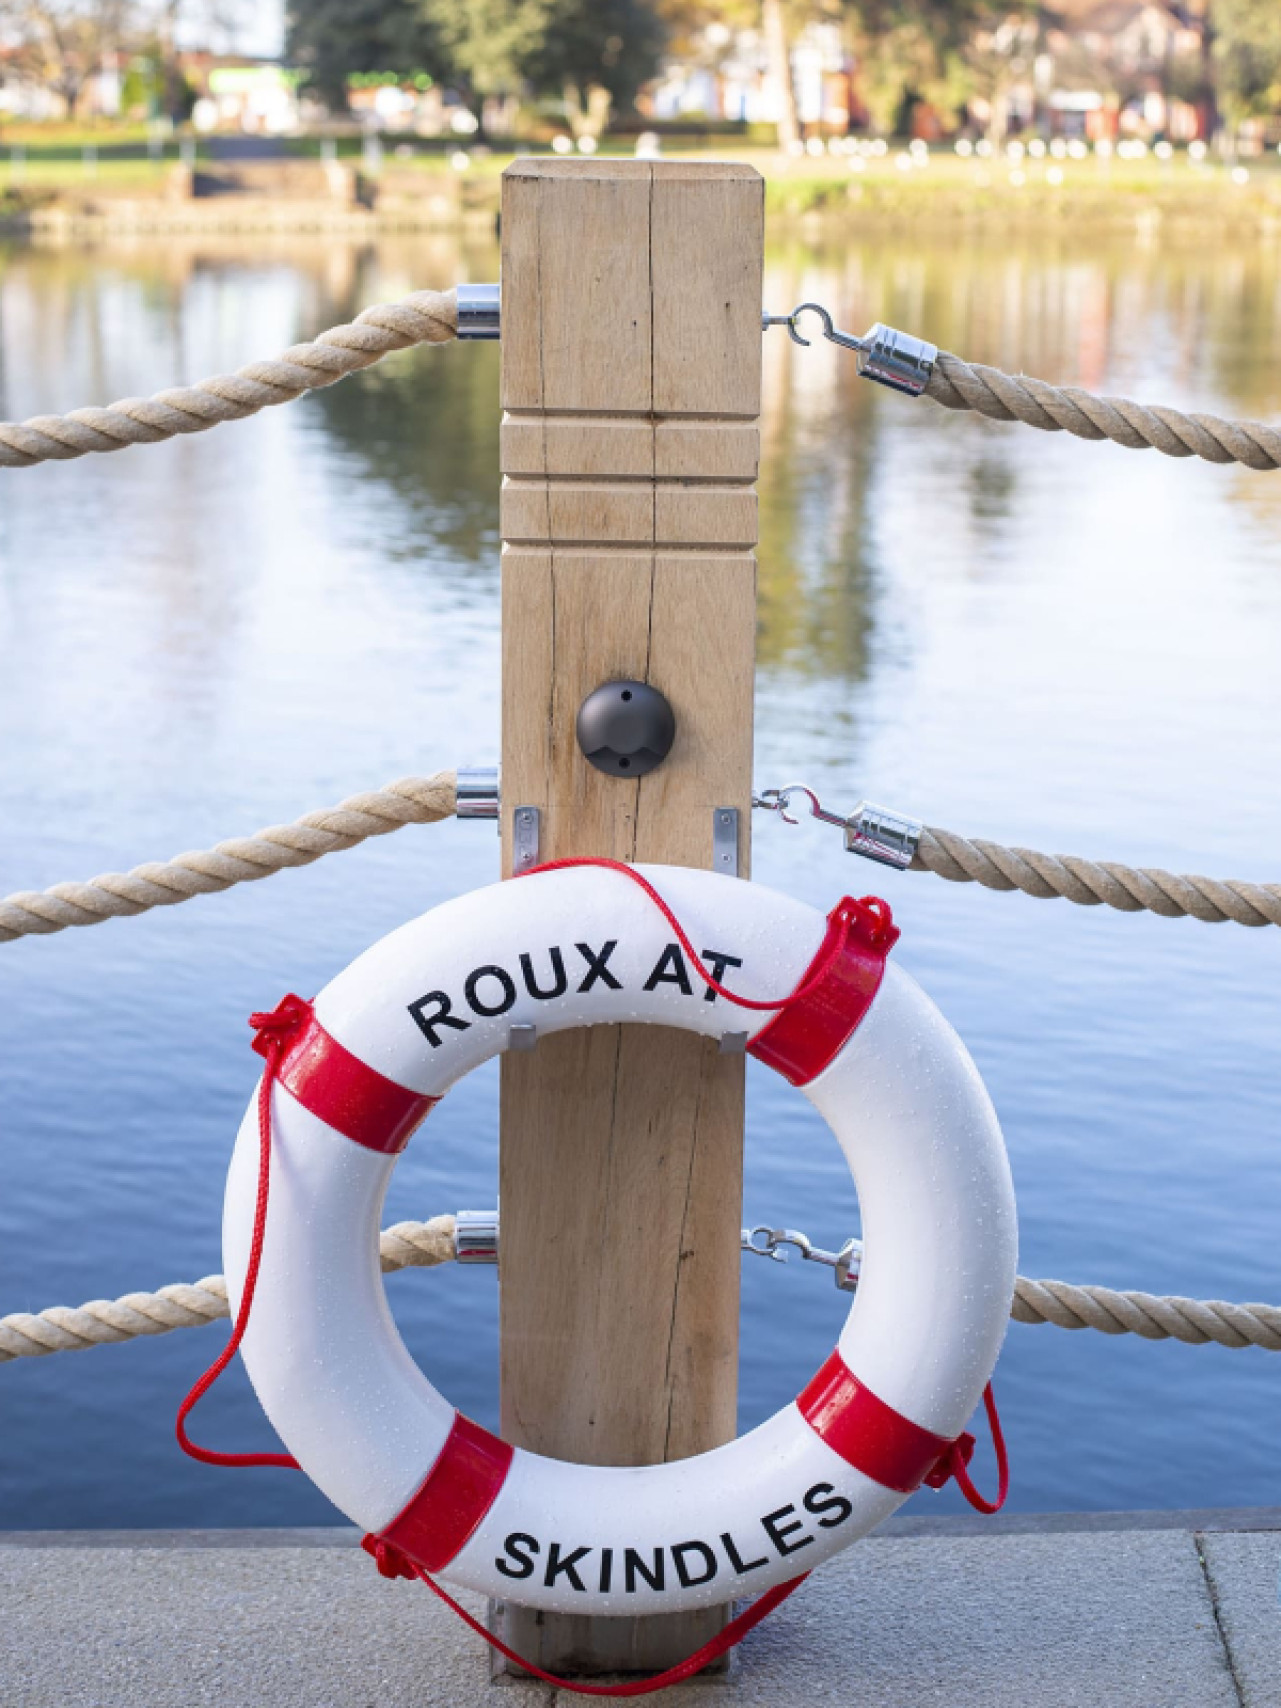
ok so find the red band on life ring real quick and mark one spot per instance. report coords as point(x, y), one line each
point(808, 1035)
point(335, 1086)
point(869, 1434)
point(454, 1496)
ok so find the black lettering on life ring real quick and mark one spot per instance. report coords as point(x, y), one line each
point(679, 1551)
point(427, 1023)
point(694, 1562)
point(837, 1505)
point(555, 1566)
point(736, 1560)
point(718, 961)
point(505, 980)
point(778, 1533)
point(560, 983)
point(596, 968)
point(672, 958)
point(633, 1564)
point(514, 1547)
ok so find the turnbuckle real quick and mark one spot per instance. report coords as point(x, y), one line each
point(846, 1262)
point(877, 833)
point(891, 358)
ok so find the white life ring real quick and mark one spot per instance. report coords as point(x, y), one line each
point(390, 1035)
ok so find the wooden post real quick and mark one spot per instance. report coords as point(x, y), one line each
point(631, 354)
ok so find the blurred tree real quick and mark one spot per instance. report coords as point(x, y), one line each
point(331, 39)
point(169, 21)
point(916, 50)
point(778, 22)
point(593, 54)
point(487, 44)
point(998, 50)
point(599, 53)
point(1247, 57)
point(778, 55)
point(63, 43)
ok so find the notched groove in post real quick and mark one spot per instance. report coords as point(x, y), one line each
point(606, 482)
point(634, 548)
point(516, 416)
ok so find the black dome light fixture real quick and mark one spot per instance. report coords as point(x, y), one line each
point(625, 729)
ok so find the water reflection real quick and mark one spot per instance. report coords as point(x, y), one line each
point(1008, 632)
point(428, 429)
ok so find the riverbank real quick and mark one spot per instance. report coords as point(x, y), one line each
point(1061, 1611)
point(65, 197)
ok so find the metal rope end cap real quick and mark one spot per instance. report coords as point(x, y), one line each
point(894, 359)
point(479, 311)
point(476, 1236)
point(881, 835)
point(477, 791)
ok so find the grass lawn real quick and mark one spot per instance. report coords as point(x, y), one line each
point(940, 187)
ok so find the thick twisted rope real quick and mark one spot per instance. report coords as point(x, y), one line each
point(115, 895)
point(1009, 397)
point(426, 317)
point(431, 317)
point(1095, 883)
point(103, 1322)
point(1196, 1322)
point(424, 800)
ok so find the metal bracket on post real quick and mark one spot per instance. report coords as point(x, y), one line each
point(725, 841)
point(526, 836)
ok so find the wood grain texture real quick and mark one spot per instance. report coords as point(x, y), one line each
point(631, 382)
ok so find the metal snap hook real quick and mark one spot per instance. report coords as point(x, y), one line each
point(769, 1249)
point(787, 320)
point(846, 340)
point(818, 309)
point(877, 833)
point(782, 799)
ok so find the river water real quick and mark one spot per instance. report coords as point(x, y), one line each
point(1007, 633)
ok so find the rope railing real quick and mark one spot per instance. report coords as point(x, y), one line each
point(1096, 883)
point(956, 384)
point(426, 800)
point(243, 860)
point(425, 317)
point(431, 317)
point(910, 365)
point(1196, 1322)
point(106, 1322)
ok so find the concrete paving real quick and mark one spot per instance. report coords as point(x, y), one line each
point(1244, 1573)
point(1155, 1611)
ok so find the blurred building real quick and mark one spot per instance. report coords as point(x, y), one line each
point(232, 92)
point(21, 96)
point(725, 77)
point(25, 95)
point(417, 105)
point(1148, 60)
point(1098, 68)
